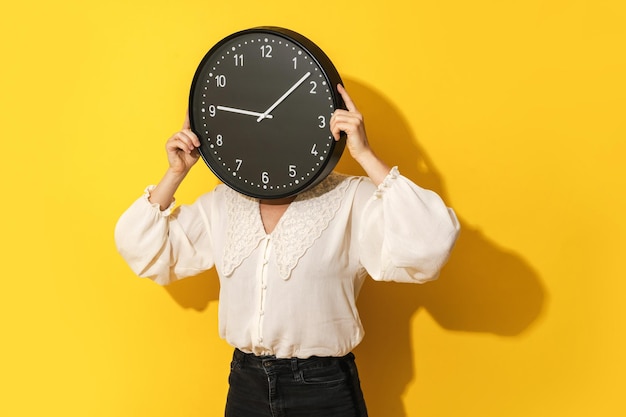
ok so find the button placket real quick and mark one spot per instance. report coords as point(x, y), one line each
point(263, 286)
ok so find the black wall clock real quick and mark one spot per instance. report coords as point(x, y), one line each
point(260, 103)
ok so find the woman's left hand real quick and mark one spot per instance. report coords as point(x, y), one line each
point(351, 122)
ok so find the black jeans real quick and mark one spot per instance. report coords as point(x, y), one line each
point(263, 386)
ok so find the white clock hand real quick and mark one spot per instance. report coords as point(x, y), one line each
point(246, 112)
point(266, 114)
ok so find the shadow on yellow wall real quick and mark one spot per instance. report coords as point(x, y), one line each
point(483, 288)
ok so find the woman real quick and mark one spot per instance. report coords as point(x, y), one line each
point(290, 270)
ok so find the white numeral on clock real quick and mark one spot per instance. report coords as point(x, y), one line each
point(292, 171)
point(266, 51)
point(314, 150)
point(313, 87)
point(322, 120)
point(238, 162)
point(265, 177)
point(238, 60)
point(220, 80)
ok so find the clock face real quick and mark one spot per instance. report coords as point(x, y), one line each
point(260, 103)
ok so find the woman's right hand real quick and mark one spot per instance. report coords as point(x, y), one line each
point(181, 148)
point(182, 154)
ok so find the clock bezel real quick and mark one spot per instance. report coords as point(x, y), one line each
point(330, 73)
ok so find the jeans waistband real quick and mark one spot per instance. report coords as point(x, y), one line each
point(264, 362)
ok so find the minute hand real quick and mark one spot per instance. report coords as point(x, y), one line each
point(283, 97)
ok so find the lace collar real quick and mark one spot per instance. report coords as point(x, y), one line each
point(299, 227)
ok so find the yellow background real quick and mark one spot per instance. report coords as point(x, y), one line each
point(512, 110)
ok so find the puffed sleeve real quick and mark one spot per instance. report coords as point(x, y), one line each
point(165, 245)
point(407, 232)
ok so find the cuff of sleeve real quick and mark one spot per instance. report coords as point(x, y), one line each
point(156, 206)
point(387, 182)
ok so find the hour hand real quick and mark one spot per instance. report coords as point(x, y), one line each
point(241, 111)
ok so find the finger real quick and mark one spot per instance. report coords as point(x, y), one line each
point(181, 141)
point(190, 139)
point(335, 130)
point(345, 115)
point(341, 125)
point(193, 137)
point(349, 119)
point(337, 122)
point(187, 131)
point(186, 123)
point(346, 98)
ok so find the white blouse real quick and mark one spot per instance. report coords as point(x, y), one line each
point(292, 293)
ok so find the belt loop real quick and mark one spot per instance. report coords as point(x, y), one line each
point(295, 369)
